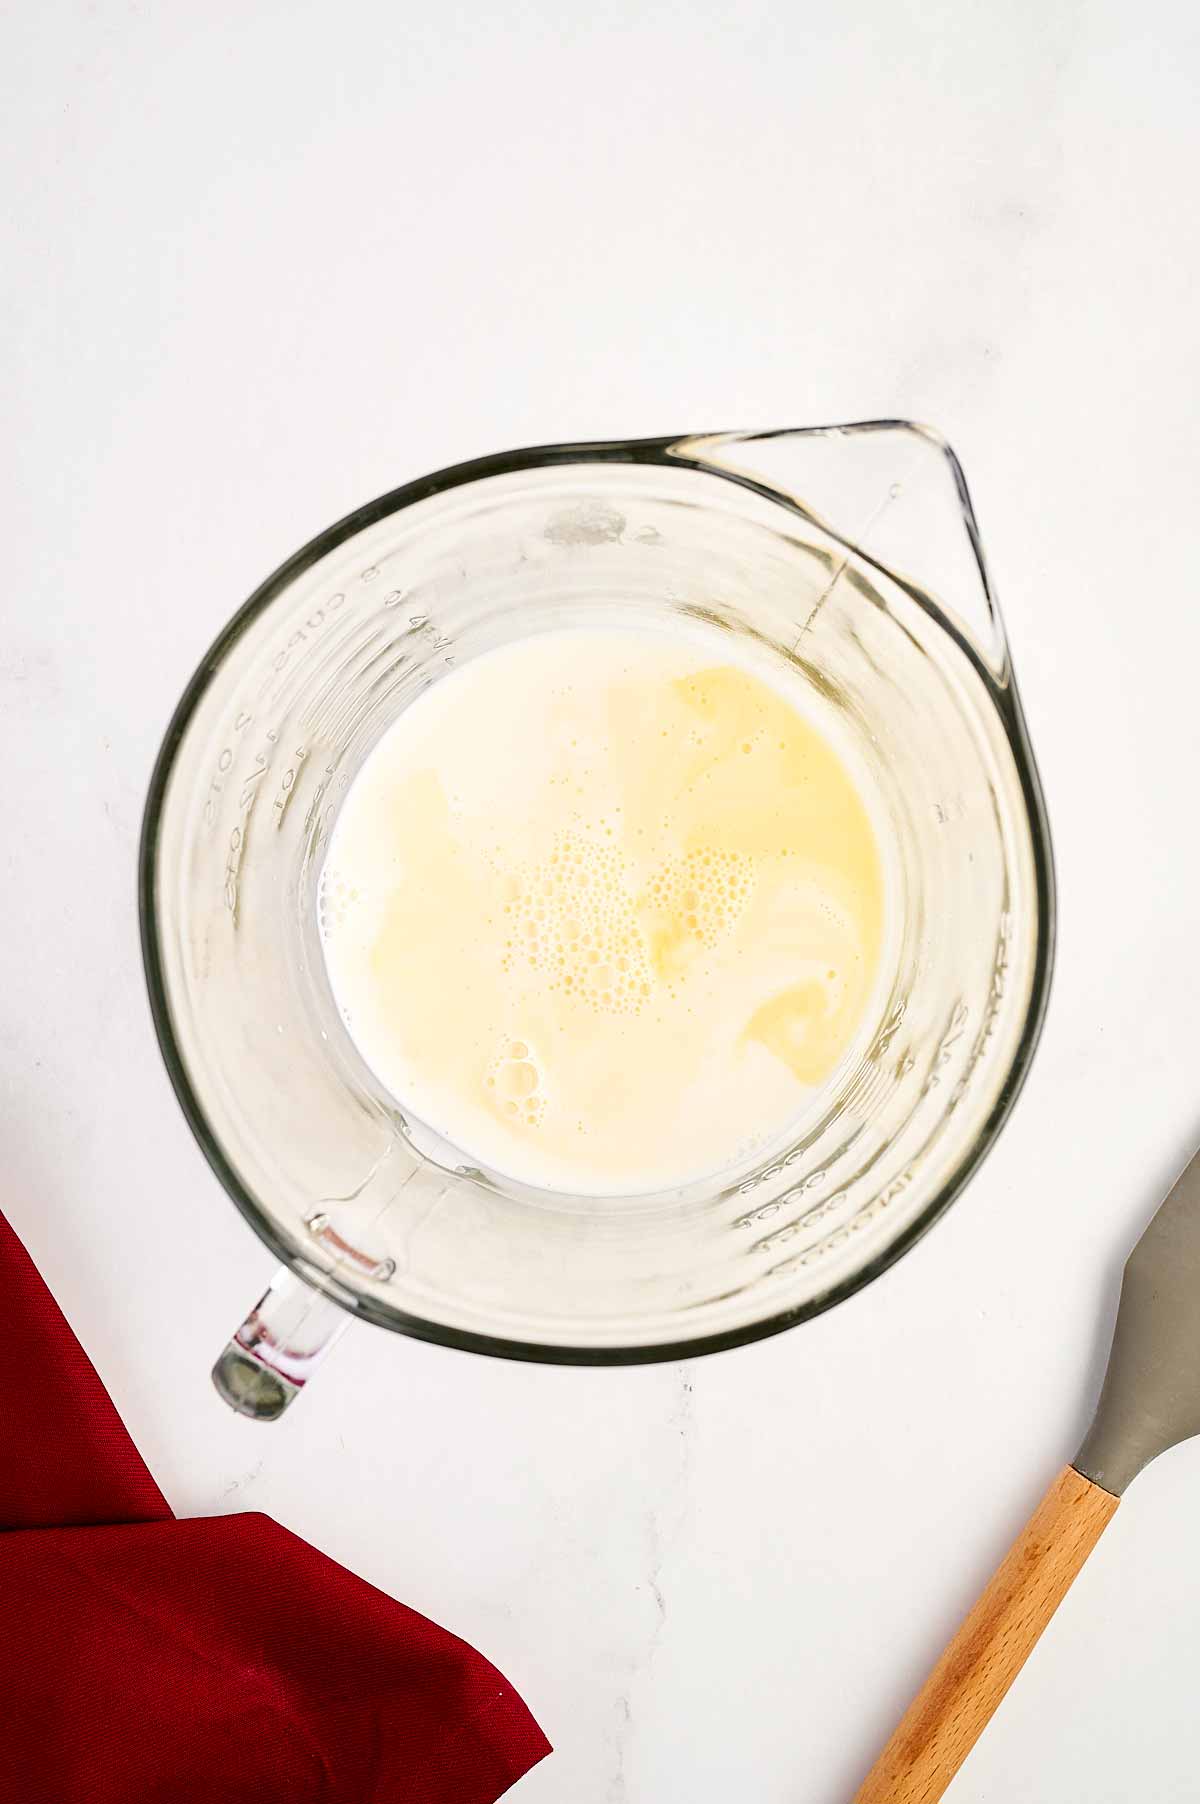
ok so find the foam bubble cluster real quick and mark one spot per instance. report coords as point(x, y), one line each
point(693, 902)
point(574, 918)
point(336, 899)
point(608, 938)
point(516, 1078)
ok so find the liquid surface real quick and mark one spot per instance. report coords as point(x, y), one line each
point(604, 909)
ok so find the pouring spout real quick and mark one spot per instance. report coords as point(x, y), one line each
point(892, 493)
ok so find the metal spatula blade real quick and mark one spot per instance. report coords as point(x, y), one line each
point(1151, 1395)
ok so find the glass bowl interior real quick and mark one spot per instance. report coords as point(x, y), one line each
point(327, 1166)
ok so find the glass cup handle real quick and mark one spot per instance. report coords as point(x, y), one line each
point(278, 1347)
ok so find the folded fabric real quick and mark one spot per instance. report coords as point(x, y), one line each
point(145, 1660)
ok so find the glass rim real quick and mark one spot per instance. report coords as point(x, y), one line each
point(666, 452)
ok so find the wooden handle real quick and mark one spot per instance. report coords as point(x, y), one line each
point(954, 1706)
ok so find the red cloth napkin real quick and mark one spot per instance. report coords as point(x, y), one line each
point(219, 1661)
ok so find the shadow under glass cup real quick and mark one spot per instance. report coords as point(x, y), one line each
point(850, 555)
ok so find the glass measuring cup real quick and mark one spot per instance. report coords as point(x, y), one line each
point(852, 554)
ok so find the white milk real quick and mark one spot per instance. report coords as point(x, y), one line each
point(604, 908)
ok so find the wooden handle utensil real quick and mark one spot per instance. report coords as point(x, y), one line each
point(1150, 1401)
point(955, 1704)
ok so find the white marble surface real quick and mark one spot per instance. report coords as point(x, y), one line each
point(267, 260)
